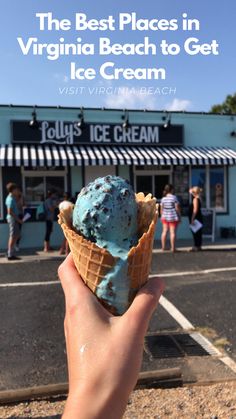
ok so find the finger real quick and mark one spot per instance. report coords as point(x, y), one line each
point(139, 313)
point(72, 284)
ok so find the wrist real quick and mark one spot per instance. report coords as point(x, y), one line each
point(95, 405)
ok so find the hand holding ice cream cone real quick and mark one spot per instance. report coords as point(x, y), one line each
point(110, 232)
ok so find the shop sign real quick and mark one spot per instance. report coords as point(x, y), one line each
point(63, 132)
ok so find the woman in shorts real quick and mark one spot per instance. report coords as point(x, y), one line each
point(170, 216)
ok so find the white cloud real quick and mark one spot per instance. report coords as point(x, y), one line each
point(105, 83)
point(178, 105)
point(127, 97)
point(62, 78)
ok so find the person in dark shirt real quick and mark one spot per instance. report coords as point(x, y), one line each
point(50, 206)
point(20, 205)
point(196, 214)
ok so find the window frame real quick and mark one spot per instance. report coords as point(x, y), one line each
point(42, 173)
point(152, 173)
point(224, 210)
point(208, 169)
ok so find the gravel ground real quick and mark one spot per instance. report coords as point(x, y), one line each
point(209, 402)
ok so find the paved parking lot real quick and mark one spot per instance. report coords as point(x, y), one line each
point(201, 286)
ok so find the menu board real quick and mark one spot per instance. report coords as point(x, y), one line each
point(181, 187)
point(208, 230)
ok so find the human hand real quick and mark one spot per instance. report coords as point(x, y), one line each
point(104, 352)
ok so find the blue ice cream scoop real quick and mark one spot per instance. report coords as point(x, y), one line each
point(106, 213)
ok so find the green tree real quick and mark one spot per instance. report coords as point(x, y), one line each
point(228, 106)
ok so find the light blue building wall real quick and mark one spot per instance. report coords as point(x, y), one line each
point(200, 130)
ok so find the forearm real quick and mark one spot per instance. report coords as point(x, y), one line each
point(193, 216)
point(14, 216)
point(178, 211)
point(195, 210)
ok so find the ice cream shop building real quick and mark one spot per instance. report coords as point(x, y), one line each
point(63, 149)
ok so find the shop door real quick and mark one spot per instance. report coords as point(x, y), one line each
point(153, 184)
point(144, 184)
point(160, 181)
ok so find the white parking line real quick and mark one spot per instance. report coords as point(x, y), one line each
point(175, 313)
point(186, 325)
point(163, 275)
point(186, 273)
point(28, 284)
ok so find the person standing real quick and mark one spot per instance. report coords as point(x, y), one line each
point(20, 206)
point(196, 214)
point(170, 216)
point(13, 219)
point(50, 206)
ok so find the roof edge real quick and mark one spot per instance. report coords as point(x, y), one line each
point(115, 109)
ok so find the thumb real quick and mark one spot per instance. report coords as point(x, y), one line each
point(140, 312)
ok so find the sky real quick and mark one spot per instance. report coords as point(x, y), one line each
point(192, 83)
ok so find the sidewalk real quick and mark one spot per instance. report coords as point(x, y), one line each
point(28, 255)
point(185, 245)
point(31, 254)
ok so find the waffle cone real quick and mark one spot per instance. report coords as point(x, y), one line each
point(93, 262)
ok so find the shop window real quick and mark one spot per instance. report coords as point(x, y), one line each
point(160, 181)
point(198, 178)
point(36, 185)
point(153, 184)
point(56, 183)
point(34, 189)
point(181, 186)
point(213, 181)
point(217, 189)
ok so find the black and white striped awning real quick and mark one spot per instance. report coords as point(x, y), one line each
point(41, 156)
